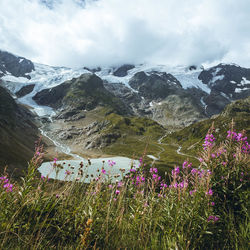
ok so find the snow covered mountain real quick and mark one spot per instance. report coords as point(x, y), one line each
point(84, 111)
point(155, 91)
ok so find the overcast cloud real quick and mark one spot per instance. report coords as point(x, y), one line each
point(111, 32)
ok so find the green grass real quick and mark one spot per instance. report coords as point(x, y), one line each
point(143, 211)
point(191, 137)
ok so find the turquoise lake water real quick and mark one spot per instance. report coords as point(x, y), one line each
point(85, 171)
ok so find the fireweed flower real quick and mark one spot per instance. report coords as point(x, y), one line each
point(208, 143)
point(8, 187)
point(119, 184)
point(6, 184)
point(111, 163)
point(184, 164)
point(153, 170)
point(176, 171)
point(210, 192)
point(117, 192)
point(213, 218)
point(103, 171)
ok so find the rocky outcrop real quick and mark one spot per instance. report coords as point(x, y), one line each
point(123, 70)
point(177, 111)
point(154, 85)
point(131, 98)
point(25, 90)
point(15, 65)
point(229, 79)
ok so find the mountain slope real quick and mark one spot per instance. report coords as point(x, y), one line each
point(83, 93)
point(18, 133)
point(192, 137)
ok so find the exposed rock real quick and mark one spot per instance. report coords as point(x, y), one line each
point(71, 115)
point(132, 100)
point(123, 70)
point(69, 133)
point(154, 86)
point(93, 70)
point(228, 79)
point(15, 65)
point(25, 90)
point(215, 103)
point(177, 111)
point(192, 67)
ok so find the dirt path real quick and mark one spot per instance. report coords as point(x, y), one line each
point(178, 151)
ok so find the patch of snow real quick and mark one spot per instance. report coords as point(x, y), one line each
point(152, 157)
point(20, 60)
point(202, 102)
point(224, 95)
point(238, 90)
point(244, 81)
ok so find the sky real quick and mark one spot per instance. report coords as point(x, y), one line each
point(94, 33)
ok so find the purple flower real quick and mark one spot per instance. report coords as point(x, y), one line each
point(117, 191)
point(210, 192)
point(153, 170)
point(194, 171)
point(111, 163)
point(119, 184)
point(212, 203)
point(176, 171)
point(192, 191)
point(8, 187)
point(103, 171)
point(184, 164)
point(213, 218)
point(154, 176)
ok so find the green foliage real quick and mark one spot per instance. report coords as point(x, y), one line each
point(195, 207)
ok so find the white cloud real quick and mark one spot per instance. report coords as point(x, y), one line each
point(109, 32)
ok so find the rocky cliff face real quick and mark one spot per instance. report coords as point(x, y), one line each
point(18, 134)
point(14, 65)
point(227, 83)
point(154, 85)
